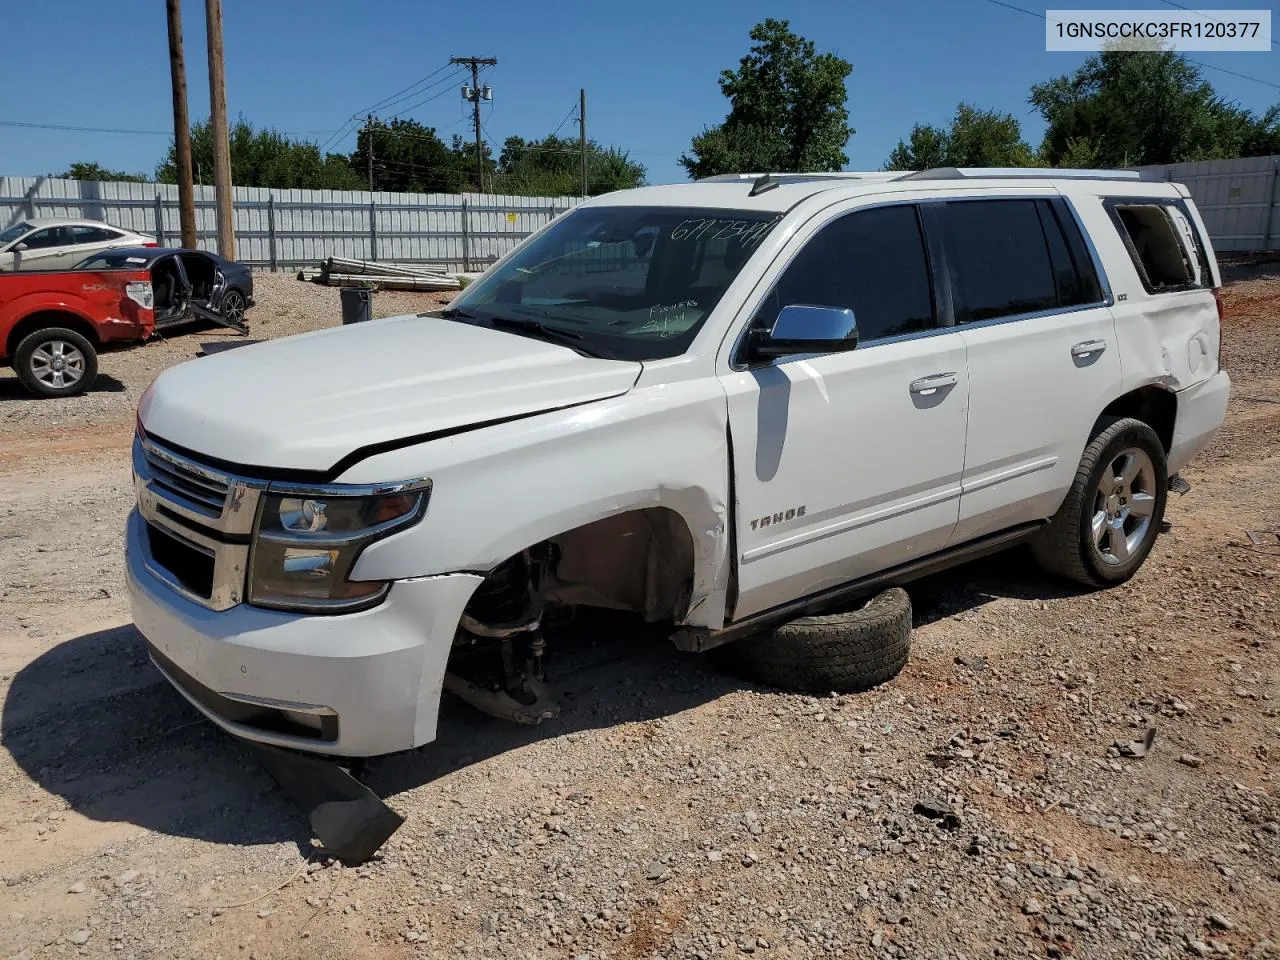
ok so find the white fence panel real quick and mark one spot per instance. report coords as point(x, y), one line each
point(1238, 199)
point(290, 228)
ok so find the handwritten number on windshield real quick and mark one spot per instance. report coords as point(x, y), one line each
point(749, 232)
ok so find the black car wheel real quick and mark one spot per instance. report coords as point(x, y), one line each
point(233, 306)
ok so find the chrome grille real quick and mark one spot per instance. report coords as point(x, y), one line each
point(207, 513)
point(202, 488)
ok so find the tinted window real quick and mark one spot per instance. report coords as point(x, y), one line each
point(1065, 278)
point(92, 235)
point(48, 237)
point(998, 257)
point(10, 234)
point(113, 261)
point(873, 262)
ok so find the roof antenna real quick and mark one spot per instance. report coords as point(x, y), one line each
point(762, 184)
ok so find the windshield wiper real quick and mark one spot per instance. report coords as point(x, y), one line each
point(530, 328)
point(540, 331)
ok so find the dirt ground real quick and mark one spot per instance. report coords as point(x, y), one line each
point(673, 811)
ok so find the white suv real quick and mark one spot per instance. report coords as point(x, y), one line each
point(721, 405)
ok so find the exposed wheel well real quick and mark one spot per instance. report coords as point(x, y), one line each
point(639, 560)
point(50, 318)
point(1154, 406)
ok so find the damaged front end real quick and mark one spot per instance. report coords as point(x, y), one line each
point(497, 660)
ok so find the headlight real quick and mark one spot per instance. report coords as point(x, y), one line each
point(308, 541)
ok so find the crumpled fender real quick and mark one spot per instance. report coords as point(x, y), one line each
point(500, 489)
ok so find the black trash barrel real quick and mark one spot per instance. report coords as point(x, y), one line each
point(357, 304)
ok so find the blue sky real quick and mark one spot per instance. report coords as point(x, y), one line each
point(649, 69)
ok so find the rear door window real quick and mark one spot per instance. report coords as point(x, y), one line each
point(999, 260)
point(92, 235)
point(1162, 244)
point(48, 237)
point(873, 262)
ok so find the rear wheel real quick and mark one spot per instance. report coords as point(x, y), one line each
point(55, 362)
point(1108, 523)
point(233, 306)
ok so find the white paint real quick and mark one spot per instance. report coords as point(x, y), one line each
point(854, 471)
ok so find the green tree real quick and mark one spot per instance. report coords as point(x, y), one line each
point(552, 167)
point(974, 138)
point(787, 110)
point(264, 158)
point(926, 147)
point(409, 157)
point(1146, 107)
point(81, 170)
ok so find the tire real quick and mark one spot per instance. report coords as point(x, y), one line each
point(55, 362)
point(233, 306)
point(842, 652)
point(1071, 546)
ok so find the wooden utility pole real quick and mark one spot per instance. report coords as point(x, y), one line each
point(582, 136)
point(368, 145)
point(218, 122)
point(475, 95)
point(181, 128)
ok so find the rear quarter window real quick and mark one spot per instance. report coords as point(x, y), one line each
point(1162, 243)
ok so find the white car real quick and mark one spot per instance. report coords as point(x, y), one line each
point(42, 243)
point(721, 405)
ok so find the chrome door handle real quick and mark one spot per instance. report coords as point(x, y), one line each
point(929, 385)
point(1088, 347)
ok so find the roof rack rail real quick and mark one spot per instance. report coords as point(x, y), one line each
point(867, 175)
point(1037, 173)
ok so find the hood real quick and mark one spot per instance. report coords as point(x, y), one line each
point(306, 402)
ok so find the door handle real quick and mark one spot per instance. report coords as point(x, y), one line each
point(926, 386)
point(1088, 347)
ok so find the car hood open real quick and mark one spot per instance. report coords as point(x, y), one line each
point(305, 403)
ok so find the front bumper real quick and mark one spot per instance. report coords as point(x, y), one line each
point(359, 684)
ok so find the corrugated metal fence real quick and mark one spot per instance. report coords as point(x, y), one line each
point(1238, 199)
point(288, 228)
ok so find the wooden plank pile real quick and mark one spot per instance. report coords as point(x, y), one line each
point(342, 272)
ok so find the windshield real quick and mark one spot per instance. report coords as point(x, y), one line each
point(632, 283)
point(11, 234)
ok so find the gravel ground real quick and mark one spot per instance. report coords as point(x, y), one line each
point(976, 806)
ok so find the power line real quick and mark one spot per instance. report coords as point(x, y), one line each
point(446, 82)
point(1198, 63)
point(413, 90)
point(63, 126)
point(400, 94)
point(141, 133)
point(572, 110)
point(452, 78)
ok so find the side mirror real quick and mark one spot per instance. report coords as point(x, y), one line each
point(21, 247)
point(804, 329)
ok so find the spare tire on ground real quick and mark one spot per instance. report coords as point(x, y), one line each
point(840, 652)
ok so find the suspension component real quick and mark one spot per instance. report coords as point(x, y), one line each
point(504, 618)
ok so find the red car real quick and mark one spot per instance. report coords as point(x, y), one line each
point(53, 324)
